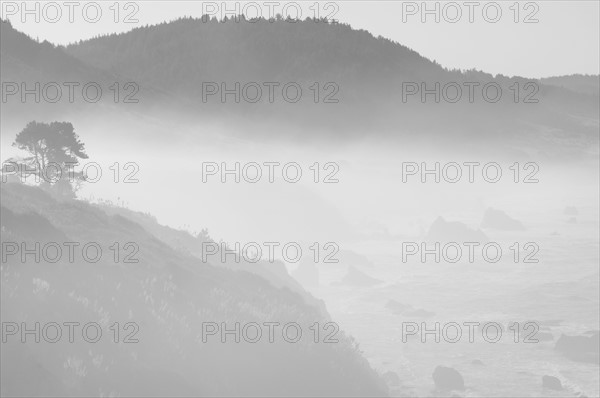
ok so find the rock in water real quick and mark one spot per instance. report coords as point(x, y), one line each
point(447, 379)
point(497, 219)
point(453, 231)
point(398, 308)
point(543, 336)
point(354, 277)
point(580, 348)
point(551, 383)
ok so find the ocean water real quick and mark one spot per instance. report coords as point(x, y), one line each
point(559, 293)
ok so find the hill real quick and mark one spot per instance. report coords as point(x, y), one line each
point(365, 80)
point(371, 73)
point(584, 84)
point(168, 294)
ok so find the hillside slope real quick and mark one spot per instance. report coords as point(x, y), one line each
point(172, 62)
point(371, 74)
point(168, 294)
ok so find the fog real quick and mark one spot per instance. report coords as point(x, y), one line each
point(451, 248)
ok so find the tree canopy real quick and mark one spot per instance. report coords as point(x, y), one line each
point(54, 149)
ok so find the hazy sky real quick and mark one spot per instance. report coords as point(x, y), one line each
point(564, 40)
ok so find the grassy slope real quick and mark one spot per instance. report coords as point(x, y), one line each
point(168, 294)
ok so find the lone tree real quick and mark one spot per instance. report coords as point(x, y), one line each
point(55, 150)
